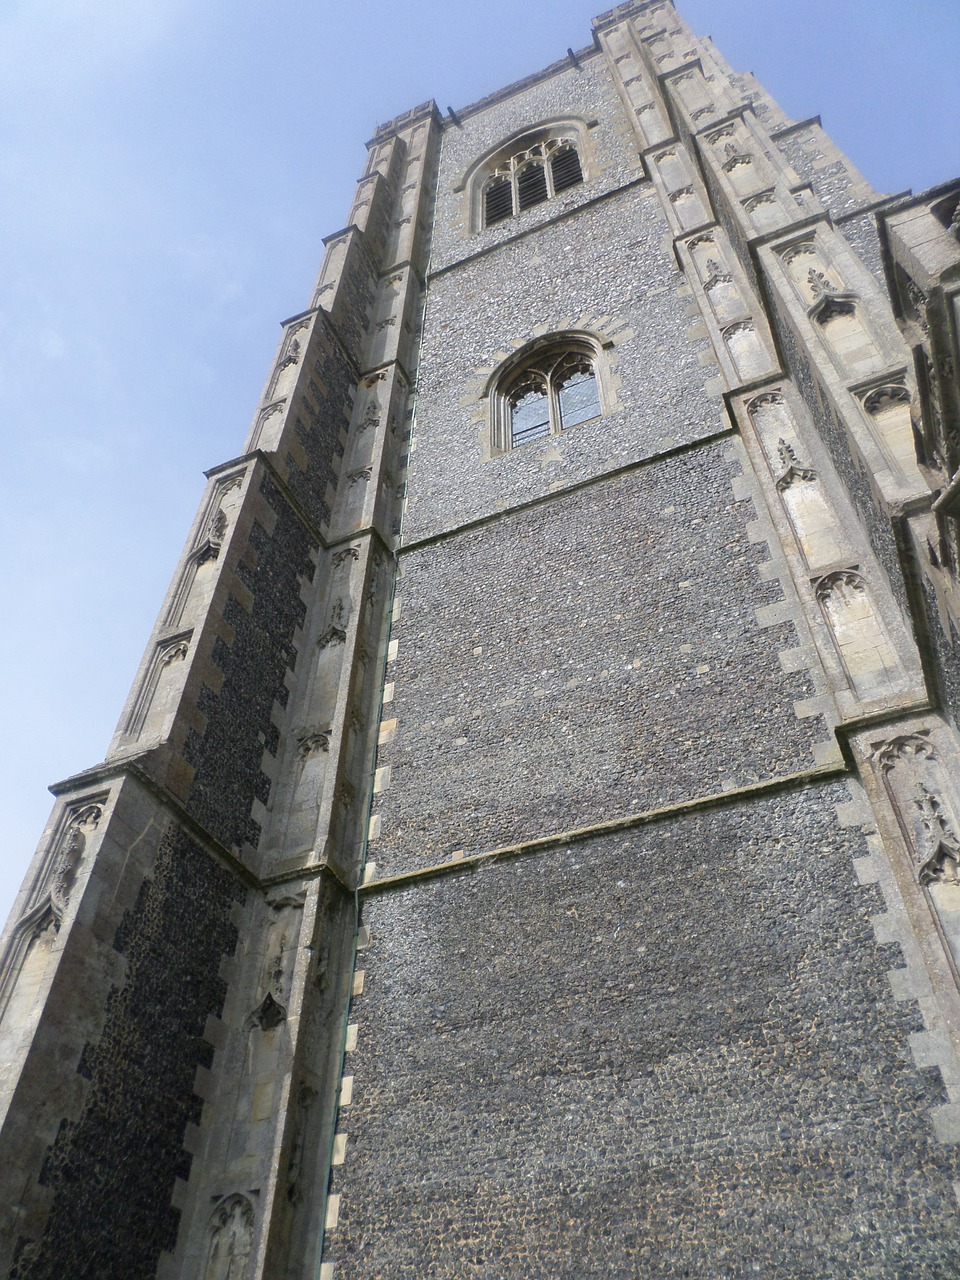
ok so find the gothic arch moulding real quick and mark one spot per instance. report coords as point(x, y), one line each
point(527, 167)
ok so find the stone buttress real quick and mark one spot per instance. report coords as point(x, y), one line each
point(176, 968)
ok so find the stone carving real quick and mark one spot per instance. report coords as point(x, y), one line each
point(385, 324)
point(335, 632)
point(701, 112)
point(292, 354)
point(886, 397)
point(798, 250)
point(911, 748)
point(231, 1239)
point(683, 194)
point(717, 135)
point(820, 286)
point(764, 197)
point(916, 784)
point(768, 400)
point(371, 418)
point(793, 469)
point(735, 157)
point(175, 653)
point(81, 824)
point(310, 742)
point(845, 585)
point(942, 845)
point(362, 473)
point(274, 978)
point(347, 553)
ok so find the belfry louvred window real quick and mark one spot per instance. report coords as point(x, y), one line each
point(530, 176)
point(552, 392)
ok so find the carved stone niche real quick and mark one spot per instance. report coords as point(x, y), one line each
point(50, 904)
point(872, 665)
point(230, 1239)
point(746, 350)
point(841, 325)
point(924, 802)
point(672, 170)
point(276, 974)
point(889, 412)
point(807, 509)
point(764, 209)
point(808, 272)
point(721, 291)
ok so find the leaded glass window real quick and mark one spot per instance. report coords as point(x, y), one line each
point(551, 393)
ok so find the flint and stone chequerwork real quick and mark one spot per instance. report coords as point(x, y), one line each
point(537, 856)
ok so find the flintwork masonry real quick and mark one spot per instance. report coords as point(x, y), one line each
point(531, 845)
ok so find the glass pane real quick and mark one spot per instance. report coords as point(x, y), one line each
point(578, 398)
point(531, 185)
point(529, 417)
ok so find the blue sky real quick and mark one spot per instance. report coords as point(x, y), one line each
point(170, 169)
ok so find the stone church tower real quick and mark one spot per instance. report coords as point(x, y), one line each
point(530, 847)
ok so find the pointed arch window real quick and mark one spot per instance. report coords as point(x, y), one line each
point(553, 390)
point(531, 175)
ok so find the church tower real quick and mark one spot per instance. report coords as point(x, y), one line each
point(531, 846)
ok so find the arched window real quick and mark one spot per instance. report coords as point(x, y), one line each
point(530, 173)
point(553, 389)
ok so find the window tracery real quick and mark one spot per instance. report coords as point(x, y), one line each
point(551, 391)
point(536, 171)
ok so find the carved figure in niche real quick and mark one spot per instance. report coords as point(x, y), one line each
point(941, 853)
point(231, 1238)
